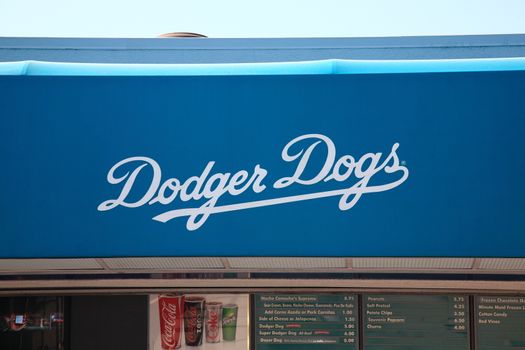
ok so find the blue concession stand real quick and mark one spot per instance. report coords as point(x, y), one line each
point(371, 194)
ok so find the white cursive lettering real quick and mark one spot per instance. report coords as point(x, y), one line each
point(213, 187)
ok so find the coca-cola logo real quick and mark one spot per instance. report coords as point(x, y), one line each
point(171, 326)
point(194, 328)
point(213, 323)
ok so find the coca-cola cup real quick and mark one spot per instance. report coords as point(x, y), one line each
point(212, 321)
point(170, 314)
point(194, 320)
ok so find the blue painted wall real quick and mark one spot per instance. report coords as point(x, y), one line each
point(460, 137)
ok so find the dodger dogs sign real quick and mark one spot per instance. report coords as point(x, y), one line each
point(353, 173)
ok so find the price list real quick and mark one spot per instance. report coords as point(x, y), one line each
point(500, 322)
point(413, 322)
point(301, 321)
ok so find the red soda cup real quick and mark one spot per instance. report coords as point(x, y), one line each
point(170, 314)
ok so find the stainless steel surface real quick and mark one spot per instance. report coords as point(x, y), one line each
point(127, 265)
point(119, 286)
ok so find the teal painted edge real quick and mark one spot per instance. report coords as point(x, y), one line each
point(280, 68)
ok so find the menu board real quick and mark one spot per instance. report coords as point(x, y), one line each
point(500, 322)
point(415, 322)
point(306, 321)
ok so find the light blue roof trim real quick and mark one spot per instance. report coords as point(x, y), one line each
point(282, 68)
point(13, 68)
point(431, 66)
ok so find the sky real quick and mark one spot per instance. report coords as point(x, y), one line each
point(263, 19)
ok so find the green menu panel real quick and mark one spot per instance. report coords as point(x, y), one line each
point(306, 321)
point(415, 322)
point(500, 322)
